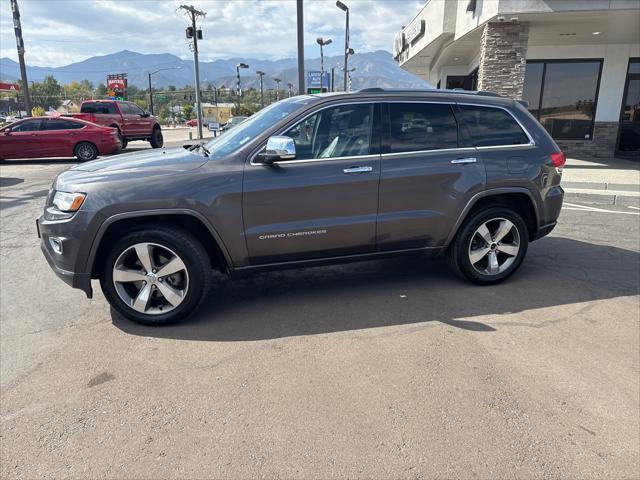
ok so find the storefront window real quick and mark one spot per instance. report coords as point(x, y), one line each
point(562, 95)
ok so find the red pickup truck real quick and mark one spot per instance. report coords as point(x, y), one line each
point(132, 122)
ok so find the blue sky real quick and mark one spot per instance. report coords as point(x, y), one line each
point(59, 32)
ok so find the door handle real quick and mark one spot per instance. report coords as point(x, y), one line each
point(358, 170)
point(465, 160)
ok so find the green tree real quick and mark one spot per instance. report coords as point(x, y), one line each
point(47, 93)
point(188, 112)
point(101, 90)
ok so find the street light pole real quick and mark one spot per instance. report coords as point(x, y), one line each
point(290, 85)
point(277, 80)
point(300, 35)
point(322, 42)
point(261, 74)
point(238, 89)
point(345, 9)
point(151, 91)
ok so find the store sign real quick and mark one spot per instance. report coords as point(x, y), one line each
point(414, 31)
point(317, 83)
point(9, 87)
point(117, 86)
point(399, 45)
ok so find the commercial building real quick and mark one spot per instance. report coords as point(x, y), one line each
point(218, 112)
point(577, 63)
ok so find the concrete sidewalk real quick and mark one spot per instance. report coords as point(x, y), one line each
point(607, 182)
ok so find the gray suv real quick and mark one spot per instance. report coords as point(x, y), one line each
point(310, 180)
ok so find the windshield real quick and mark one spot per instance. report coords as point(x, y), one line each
point(253, 126)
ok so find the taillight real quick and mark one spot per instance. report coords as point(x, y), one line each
point(558, 159)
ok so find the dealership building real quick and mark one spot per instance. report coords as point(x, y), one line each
point(577, 63)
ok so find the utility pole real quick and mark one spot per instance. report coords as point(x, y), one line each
point(195, 34)
point(20, 44)
point(300, 24)
point(290, 85)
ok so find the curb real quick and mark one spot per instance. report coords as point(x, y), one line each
point(598, 198)
point(604, 186)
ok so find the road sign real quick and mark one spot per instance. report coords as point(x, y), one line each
point(317, 83)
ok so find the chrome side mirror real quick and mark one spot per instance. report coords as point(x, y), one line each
point(279, 147)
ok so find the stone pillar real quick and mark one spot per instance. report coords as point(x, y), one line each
point(503, 56)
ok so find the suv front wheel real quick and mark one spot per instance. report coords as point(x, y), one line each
point(490, 246)
point(156, 276)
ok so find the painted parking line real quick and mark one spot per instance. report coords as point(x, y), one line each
point(586, 208)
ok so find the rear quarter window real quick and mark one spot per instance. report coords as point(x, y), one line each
point(492, 127)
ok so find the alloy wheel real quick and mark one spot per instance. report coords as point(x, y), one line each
point(494, 246)
point(150, 278)
point(85, 152)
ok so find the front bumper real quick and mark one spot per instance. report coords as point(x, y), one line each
point(63, 263)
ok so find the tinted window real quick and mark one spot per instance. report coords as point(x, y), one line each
point(422, 126)
point(562, 96)
point(254, 126)
point(569, 99)
point(133, 109)
point(334, 132)
point(59, 124)
point(492, 126)
point(98, 107)
point(533, 86)
point(125, 109)
point(27, 126)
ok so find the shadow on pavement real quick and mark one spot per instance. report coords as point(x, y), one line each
point(23, 199)
point(401, 291)
point(10, 181)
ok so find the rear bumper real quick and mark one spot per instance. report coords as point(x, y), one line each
point(545, 230)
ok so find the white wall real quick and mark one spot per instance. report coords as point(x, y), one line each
point(614, 71)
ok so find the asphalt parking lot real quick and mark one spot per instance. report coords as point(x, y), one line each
point(393, 368)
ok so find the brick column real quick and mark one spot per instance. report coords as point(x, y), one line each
point(503, 56)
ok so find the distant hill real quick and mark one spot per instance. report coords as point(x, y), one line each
point(373, 69)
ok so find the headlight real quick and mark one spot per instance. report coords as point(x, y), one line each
point(68, 202)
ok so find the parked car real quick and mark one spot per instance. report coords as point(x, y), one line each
point(129, 119)
point(192, 123)
point(309, 180)
point(57, 137)
point(233, 122)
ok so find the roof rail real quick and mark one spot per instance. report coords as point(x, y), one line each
point(459, 91)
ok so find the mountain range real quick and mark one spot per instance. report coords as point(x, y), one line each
point(372, 69)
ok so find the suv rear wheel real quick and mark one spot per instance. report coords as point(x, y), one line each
point(490, 246)
point(156, 276)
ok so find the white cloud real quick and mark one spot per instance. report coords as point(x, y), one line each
point(64, 31)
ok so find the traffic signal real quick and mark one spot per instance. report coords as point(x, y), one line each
point(199, 32)
point(190, 32)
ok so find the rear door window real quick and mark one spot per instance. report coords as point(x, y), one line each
point(98, 107)
point(492, 127)
point(60, 124)
point(417, 127)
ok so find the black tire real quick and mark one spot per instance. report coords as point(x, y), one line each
point(190, 251)
point(85, 151)
point(123, 141)
point(156, 140)
point(459, 250)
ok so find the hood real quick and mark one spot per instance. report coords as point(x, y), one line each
point(165, 160)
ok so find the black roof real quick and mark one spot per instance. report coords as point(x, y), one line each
point(430, 90)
